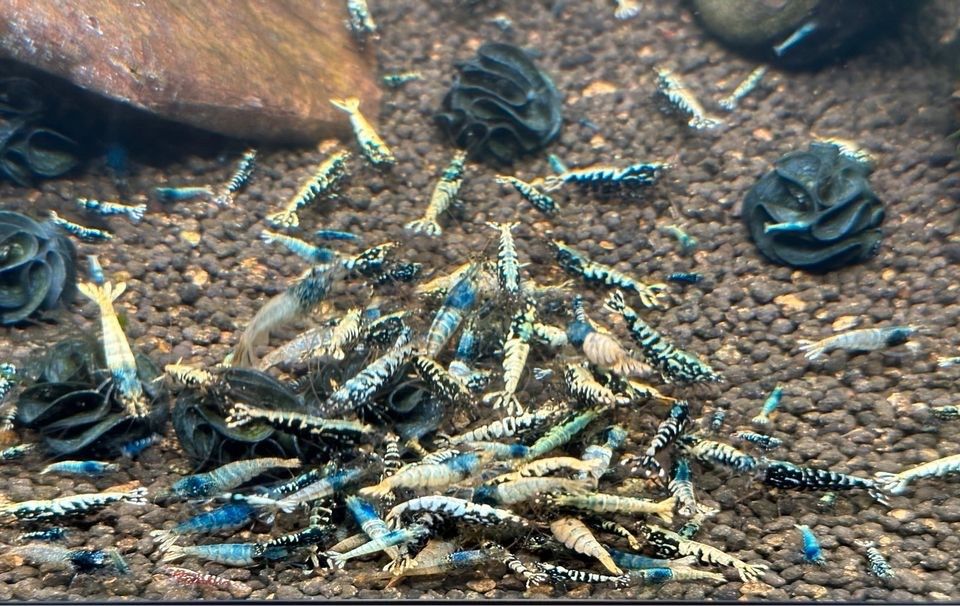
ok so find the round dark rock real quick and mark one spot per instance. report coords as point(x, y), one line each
point(501, 105)
point(815, 210)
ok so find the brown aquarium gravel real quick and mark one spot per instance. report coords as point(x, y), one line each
point(197, 273)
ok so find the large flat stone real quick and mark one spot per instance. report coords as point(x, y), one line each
point(253, 69)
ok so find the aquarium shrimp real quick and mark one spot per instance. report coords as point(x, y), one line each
point(132, 449)
point(392, 461)
point(896, 483)
point(626, 9)
point(668, 544)
point(230, 516)
point(72, 505)
point(943, 362)
point(386, 329)
point(79, 560)
point(358, 391)
point(811, 546)
point(239, 178)
point(674, 364)
point(335, 234)
point(346, 333)
point(717, 453)
point(537, 198)
point(609, 503)
point(108, 209)
point(116, 350)
point(557, 574)
point(226, 477)
point(372, 525)
point(685, 277)
point(462, 297)
point(298, 423)
point(190, 376)
point(863, 339)
point(505, 427)
point(795, 38)
point(182, 194)
point(395, 538)
point(681, 487)
point(635, 391)
point(683, 102)
point(17, 451)
point(444, 194)
point(84, 234)
point(296, 301)
point(516, 349)
point(563, 433)
point(687, 242)
point(878, 565)
point(508, 266)
point(304, 250)
point(946, 413)
point(769, 406)
point(360, 21)
point(83, 468)
point(437, 475)
point(371, 262)
point(543, 467)
point(578, 266)
point(678, 417)
point(763, 441)
point(458, 510)
point(600, 347)
point(8, 375)
point(524, 489)
point(476, 381)
point(673, 573)
point(606, 181)
point(398, 79)
point(747, 86)
point(49, 535)
point(600, 455)
point(553, 337)
point(95, 270)
point(576, 536)
point(514, 564)
point(783, 474)
point(692, 526)
point(323, 487)
point(584, 388)
point(441, 383)
point(328, 176)
point(372, 146)
point(185, 576)
point(228, 554)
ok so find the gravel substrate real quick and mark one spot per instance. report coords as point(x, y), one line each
point(196, 274)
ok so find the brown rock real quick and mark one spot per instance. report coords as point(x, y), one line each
point(243, 68)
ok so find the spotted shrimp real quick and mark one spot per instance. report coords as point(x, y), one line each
point(328, 176)
point(579, 266)
point(372, 146)
point(108, 209)
point(531, 193)
point(444, 194)
point(240, 177)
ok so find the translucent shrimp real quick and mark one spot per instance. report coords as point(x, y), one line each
point(896, 483)
point(575, 535)
point(609, 503)
point(226, 477)
point(863, 339)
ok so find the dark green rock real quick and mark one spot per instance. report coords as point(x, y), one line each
point(829, 215)
point(501, 105)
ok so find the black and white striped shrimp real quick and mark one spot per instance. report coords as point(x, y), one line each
point(372, 262)
point(452, 508)
point(79, 560)
point(563, 433)
point(863, 339)
point(896, 483)
point(600, 455)
point(228, 554)
point(609, 503)
point(443, 384)
point(321, 487)
point(762, 440)
point(360, 21)
point(946, 413)
point(717, 453)
point(372, 146)
point(108, 209)
point(241, 175)
point(667, 432)
point(576, 536)
point(334, 430)
point(591, 272)
point(185, 576)
point(878, 565)
point(82, 233)
point(324, 180)
point(525, 489)
point(392, 461)
point(47, 535)
point(531, 193)
point(543, 467)
point(629, 388)
point(299, 299)
point(226, 477)
point(508, 265)
point(190, 376)
point(553, 337)
point(17, 451)
point(460, 298)
point(783, 474)
point(73, 505)
point(681, 487)
point(683, 102)
point(729, 103)
point(583, 387)
point(444, 194)
point(674, 364)
point(476, 381)
point(287, 545)
point(345, 334)
point(83, 468)
point(358, 391)
point(433, 475)
point(668, 544)
point(301, 248)
point(515, 351)
point(617, 529)
point(558, 575)
point(506, 427)
point(530, 577)
point(116, 349)
point(607, 181)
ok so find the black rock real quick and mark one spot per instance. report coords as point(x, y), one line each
point(501, 105)
point(37, 267)
point(825, 212)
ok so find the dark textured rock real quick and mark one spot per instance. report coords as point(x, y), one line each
point(821, 198)
point(255, 70)
point(501, 105)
